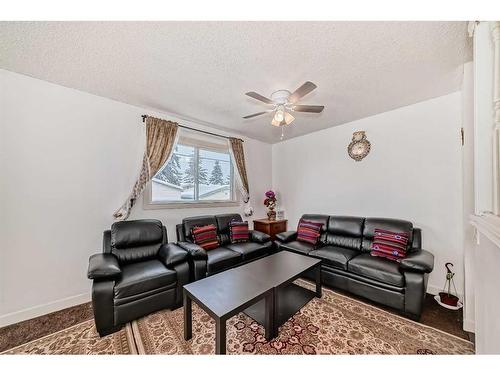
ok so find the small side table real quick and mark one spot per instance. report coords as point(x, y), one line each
point(270, 227)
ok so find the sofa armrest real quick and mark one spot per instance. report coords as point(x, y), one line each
point(194, 251)
point(291, 235)
point(170, 254)
point(260, 237)
point(103, 266)
point(418, 261)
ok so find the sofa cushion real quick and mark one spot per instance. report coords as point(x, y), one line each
point(323, 219)
point(335, 256)
point(238, 231)
point(390, 245)
point(206, 237)
point(345, 231)
point(223, 222)
point(250, 250)
point(308, 231)
point(380, 269)
point(393, 225)
point(297, 246)
point(222, 258)
point(137, 278)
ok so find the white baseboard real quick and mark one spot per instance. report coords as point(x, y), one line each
point(33, 312)
point(432, 289)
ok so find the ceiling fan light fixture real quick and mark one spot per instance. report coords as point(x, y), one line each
point(288, 118)
point(274, 122)
point(279, 115)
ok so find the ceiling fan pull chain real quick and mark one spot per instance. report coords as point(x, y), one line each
point(282, 132)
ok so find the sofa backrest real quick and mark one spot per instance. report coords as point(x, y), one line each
point(137, 240)
point(357, 233)
point(223, 226)
point(345, 231)
point(323, 219)
point(394, 225)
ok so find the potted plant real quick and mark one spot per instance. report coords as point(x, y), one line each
point(270, 203)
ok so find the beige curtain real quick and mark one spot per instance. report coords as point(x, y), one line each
point(238, 156)
point(160, 140)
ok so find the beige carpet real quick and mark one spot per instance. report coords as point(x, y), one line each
point(80, 339)
point(336, 324)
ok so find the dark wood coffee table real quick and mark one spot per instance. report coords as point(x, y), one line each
point(263, 289)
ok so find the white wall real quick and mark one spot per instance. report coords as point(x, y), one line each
point(413, 172)
point(68, 160)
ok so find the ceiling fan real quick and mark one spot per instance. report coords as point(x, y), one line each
point(284, 102)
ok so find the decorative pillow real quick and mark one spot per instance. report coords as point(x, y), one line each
point(206, 236)
point(390, 245)
point(308, 231)
point(238, 231)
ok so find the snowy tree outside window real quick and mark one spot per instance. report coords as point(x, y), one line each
point(194, 174)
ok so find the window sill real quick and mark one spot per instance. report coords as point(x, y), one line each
point(166, 206)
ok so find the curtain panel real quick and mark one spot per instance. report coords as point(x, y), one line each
point(238, 157)
point(161, 136)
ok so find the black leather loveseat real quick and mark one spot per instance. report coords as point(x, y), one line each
point(208, 262)
point(344, 248)
point(137, 273)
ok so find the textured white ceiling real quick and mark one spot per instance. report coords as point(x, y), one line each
point(201, 70)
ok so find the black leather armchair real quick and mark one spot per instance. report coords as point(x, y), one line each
point(205, 263)
point(137, 273)
point(344, 247)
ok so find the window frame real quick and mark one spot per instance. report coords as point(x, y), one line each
point(148, 203)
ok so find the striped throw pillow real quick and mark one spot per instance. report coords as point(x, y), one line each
point(390, 245)
point(238, 231)
point(206, 236)
point(308, 231)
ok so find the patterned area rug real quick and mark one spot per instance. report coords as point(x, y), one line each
point(80, 339)
point(335, 324)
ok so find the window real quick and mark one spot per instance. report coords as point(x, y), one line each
point(198, 173)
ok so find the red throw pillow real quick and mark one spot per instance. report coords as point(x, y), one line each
point(390, 245)
point(206, 236)
point(308, 231)
point(238, 231)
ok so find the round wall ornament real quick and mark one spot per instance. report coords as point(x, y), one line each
point(359, 146)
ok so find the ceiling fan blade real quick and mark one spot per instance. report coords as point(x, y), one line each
point(308, 108)
point(259, 97)
point(257, 114)
point(303, 90)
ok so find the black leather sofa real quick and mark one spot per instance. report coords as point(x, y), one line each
point(137, 273)
point(208, 262)
point(344, 248)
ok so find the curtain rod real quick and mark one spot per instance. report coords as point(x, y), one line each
point(144, 117)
